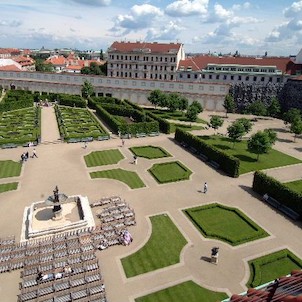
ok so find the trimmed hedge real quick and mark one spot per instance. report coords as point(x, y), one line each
point(229, 164)
point(164, 125)
point(264, 184)
point(16, 99)
point(259, 232)
point(255, 265)
point(71, 100)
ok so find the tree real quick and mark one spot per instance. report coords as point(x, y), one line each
point(274, 108)
point(87, 89)
point(42, 66)
point(216, 122)
point(257, 108)
point(259, 143)
point(101, 55)
point(272, 135)
point(291, 115)
point(236, 131)
point(85, 70)
point(173, 101)
point(183, 103)
point(229, 104)
point(192, 114)
point(155, 96)
point(296, 127)
point(198, 106)
point(247, 124)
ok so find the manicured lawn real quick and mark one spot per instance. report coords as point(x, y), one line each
point(248, 161)
point(185, 127)
point(162, 249)
point(128, 177)
point(9, 168)
point(150, 152)
point(176, 115)
point(8, 187)
point(101, 158)
point(186, 291)
point(272, 266)
point(295, 185)
point(225, 223)
point(170, 172)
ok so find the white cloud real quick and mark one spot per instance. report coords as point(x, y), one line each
point(187, 8)
point(238, 7)
point(10, 23)
point(291, 29)
point(168, 32)
point(140, 17)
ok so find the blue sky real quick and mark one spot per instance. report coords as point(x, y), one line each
point(251, 27)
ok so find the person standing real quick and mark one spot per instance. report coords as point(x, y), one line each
point(85, 145)
point(123, 142)
point(34, 153)
point(205, 188)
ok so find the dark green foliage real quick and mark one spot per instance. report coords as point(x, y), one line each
point(264, 184)
point(216, 122)
point(229, 164)
point(16, 99)
point(164, 125)
point(71, 100)
point(247, 124)
point(229, 104)
point(87, 89)
point(235, 131)
point(296, 127)
point(261, 142)
point(291, 115)
point(257, 108)
point(274, 108)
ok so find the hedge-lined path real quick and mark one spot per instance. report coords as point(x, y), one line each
point(49, 127)
point(64, 165)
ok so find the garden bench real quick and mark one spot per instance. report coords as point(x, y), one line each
point(73, 140)
point(214, 164)
point(9, 146)
point(153, 134)
point(140, 134)
point(192, 150)
point(202, 157)
point(87, 139)
point(289, 212)
point(103, 138)
point(282, 208)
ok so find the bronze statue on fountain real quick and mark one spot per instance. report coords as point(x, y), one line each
point(56, 201)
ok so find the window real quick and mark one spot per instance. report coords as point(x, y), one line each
point(211, 88)
point(172, 68)
point(171, 77)
point(201, 87)
point(162, 85)
point(222, 89)
point(188, 76)
point(166, 59)
point(171, 85)
point(181, 86)
point(278, 80)
point(143, 84)
point(232, 78)
point(117, 57)
point(247, 78)
point(126, 57)
point(190, 87)
point(270, 79)
point(225, 77)
point(217, 77)
point(122, 57)
point(210, 76)
point(239, 78)
point(195, 75)
point(262, 79)
point(203, 76)
point(254, 79)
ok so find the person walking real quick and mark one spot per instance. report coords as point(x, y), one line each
point(123, 142)
point(34, 153)
point(205, 188)
point(85, 145)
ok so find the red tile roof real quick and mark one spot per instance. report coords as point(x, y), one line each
point(9, 68)
point(56, 60)
point(12, 51)
point(24, 61)
point(285, 289)
point(129, 47)
point(286, 65)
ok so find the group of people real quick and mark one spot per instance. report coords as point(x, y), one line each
point(25, 155)
point(57, 275)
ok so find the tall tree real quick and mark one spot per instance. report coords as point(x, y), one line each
point(183, 103)
point(42, 66)
point(216, 122)
point(173, 101)
point(192, 114)
point(198, 106)
point(291, 115)
point(155, 96)
point(272, 135)
point(229, 104)
point(274, 108)
point(257, 108)
point(236, 132)
point(296, 127)
point(87, 89)
point(101, 55)
point(247, 124)
point(259, 143)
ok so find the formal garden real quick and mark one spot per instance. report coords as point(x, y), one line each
point(295, 185)
point(19, 127)
point(272, 266)
point(9, 168)
point(224, 223)
point(186, 291)
point(162, 249)
point(79, 124)
point(170, 172)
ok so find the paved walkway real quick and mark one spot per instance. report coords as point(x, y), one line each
point(63, 165)
point(49, 127)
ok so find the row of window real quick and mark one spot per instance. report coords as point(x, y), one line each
point(145, 76)
point(136, 66)
point(145, 58)
point(226, 77)
point(248, 69)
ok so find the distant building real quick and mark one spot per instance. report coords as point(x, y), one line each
point(71, 64)
point(7, 53)
point(9, 65)
point(26, 62)
point(141, 60)
point(234, 69)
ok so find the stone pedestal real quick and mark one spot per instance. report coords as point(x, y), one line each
point(57, 215)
